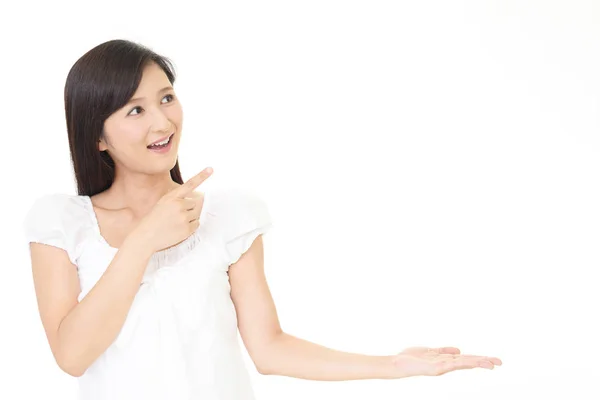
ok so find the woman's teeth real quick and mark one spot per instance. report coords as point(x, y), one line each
point(161, 144)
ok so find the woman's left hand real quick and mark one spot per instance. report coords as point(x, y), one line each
point(427, 361)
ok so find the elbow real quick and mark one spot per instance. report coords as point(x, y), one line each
point(262, 371)
point(265, 354)
point(261, 366)
point(71, 369)
point(67, 358)
point(74, 373)
point(71, 365)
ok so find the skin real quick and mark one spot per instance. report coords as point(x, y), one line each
point(78, 332)
point(142, 178)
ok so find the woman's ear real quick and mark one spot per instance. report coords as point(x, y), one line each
point(101, 145)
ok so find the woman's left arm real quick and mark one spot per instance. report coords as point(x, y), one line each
point(275, 352)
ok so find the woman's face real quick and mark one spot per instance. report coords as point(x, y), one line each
point(155, 115)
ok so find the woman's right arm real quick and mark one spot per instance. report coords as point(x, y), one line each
point(79, 332)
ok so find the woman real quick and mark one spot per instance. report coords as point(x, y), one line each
point(142, 279)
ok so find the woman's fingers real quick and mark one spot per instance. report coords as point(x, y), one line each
point(493, 360)
point(447, 365)
point(449, 362)
point(446, 350)
point(442, 351)
point(193, 204)
point(431, 350)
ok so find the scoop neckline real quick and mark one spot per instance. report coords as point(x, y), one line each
point(94, 217)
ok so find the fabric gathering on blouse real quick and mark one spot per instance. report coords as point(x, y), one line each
point(179, 340)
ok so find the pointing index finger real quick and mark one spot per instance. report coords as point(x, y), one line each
point(192, 183)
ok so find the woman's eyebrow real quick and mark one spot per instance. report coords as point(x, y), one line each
point(160, 91)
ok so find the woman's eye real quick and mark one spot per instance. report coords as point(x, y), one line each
point(170, 96)
point(135, 108)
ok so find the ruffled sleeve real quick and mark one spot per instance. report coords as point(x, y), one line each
point(48, 220)
point(245, 216)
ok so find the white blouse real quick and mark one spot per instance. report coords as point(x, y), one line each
point(179, 340)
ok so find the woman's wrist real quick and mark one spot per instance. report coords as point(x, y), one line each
point(390, 368)
point(139, 240)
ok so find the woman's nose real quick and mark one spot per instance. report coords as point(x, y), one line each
point(160, 122)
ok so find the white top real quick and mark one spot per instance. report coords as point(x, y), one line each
point(179, 340)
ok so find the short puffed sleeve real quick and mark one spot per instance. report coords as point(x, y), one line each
point(51, 219)
point(245, 216)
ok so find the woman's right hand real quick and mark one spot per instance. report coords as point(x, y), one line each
point(175, 216)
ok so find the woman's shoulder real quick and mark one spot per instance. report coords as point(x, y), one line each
point(227, 196)
point(57, 210)
point(236, 208)
point(58, 203)
point(228, 201)
point(58, 219)
point(240, 214)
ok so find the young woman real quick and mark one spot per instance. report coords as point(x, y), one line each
point(143, 280)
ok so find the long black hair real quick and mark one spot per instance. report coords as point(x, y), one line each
point(101, 82)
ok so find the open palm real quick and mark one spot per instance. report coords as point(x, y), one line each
point(428, 361)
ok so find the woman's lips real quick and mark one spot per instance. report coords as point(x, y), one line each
point(161, 140)
point(162, 148)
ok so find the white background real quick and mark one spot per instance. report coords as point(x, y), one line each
point(432, 169)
